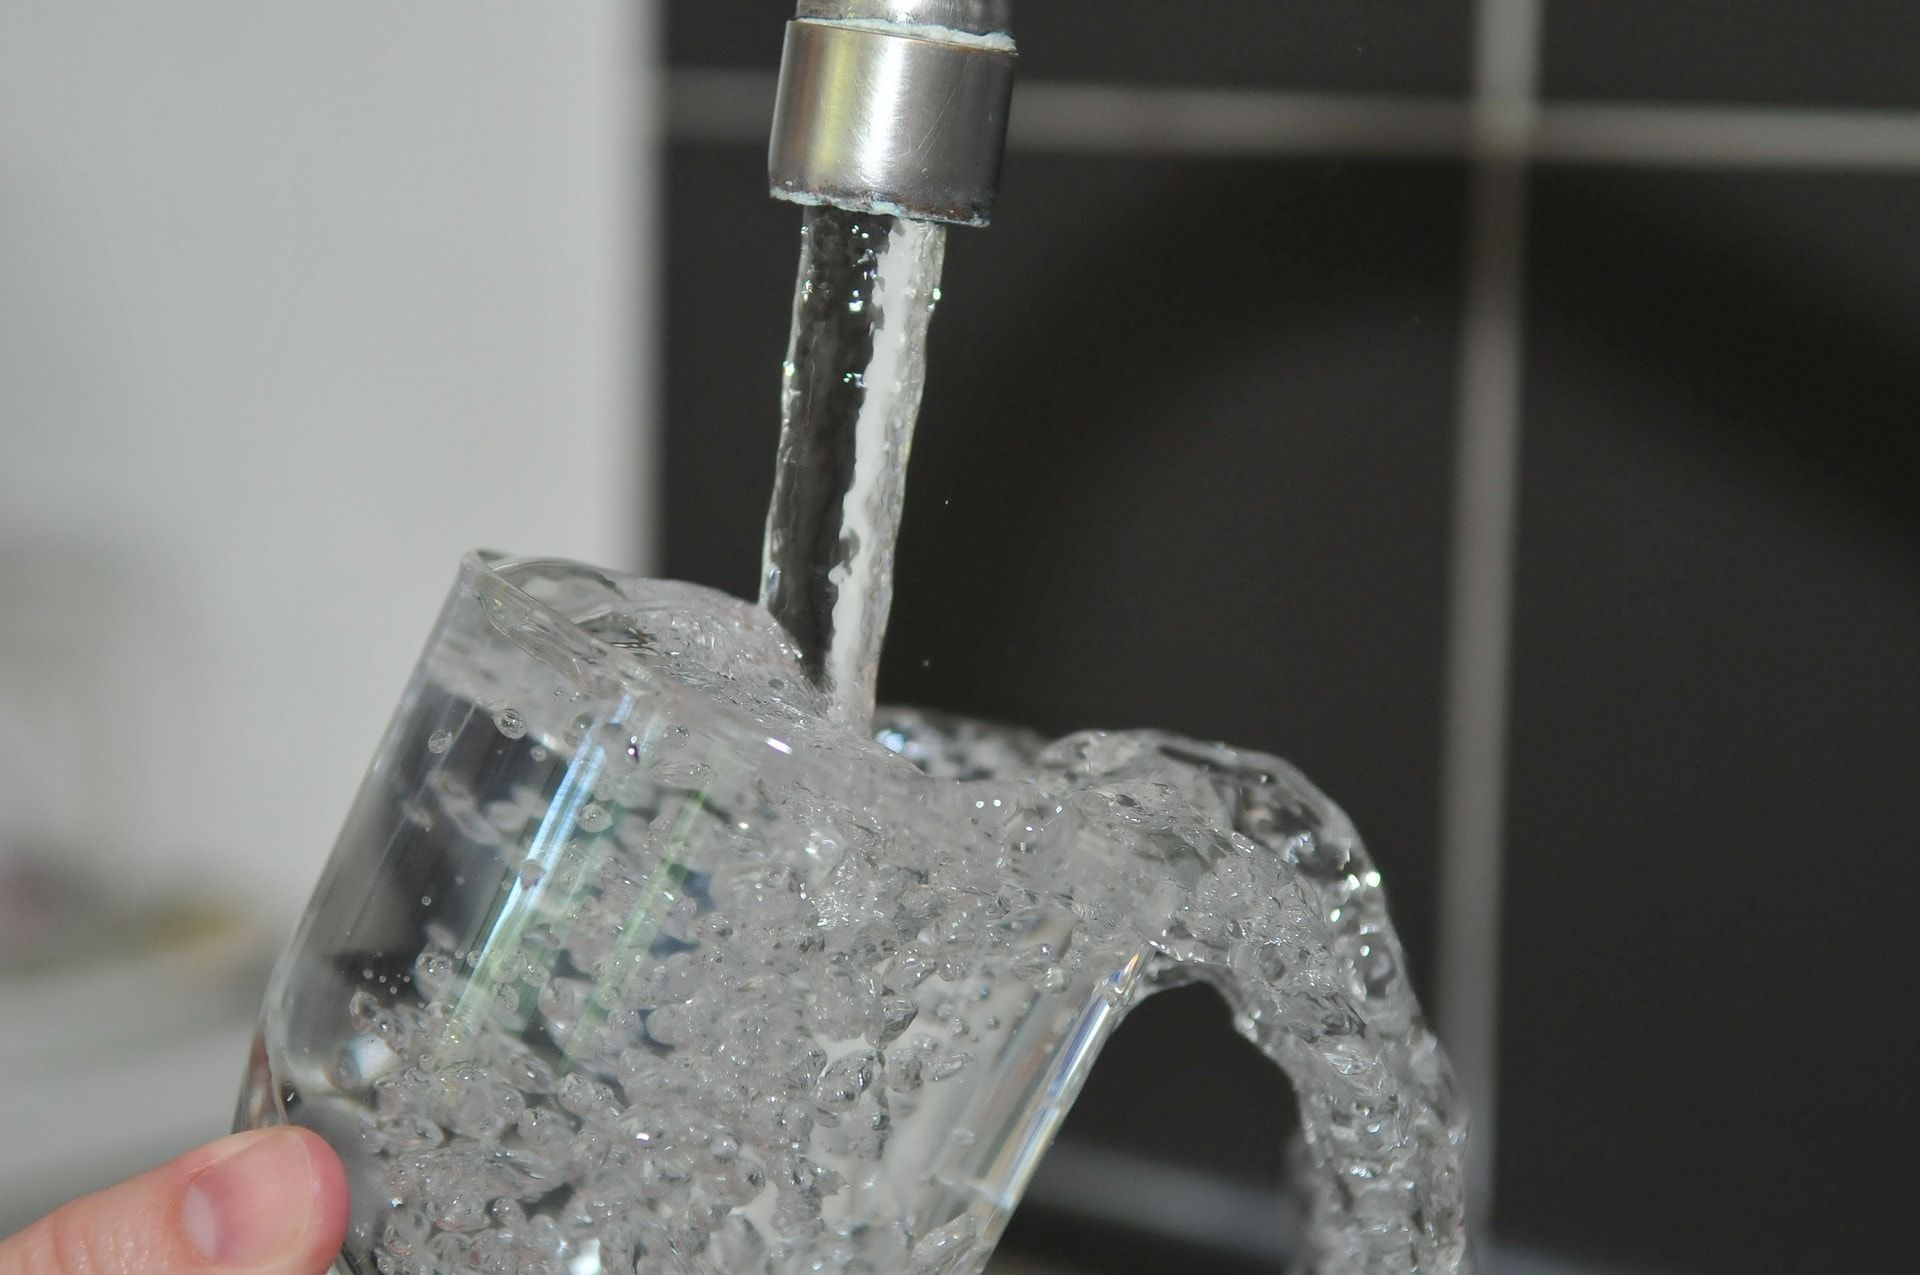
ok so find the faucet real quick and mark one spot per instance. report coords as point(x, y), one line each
point(896, 107)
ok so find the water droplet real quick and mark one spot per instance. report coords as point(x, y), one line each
point(949, 1066)
point(439, 742)
point(1378, 969)
point(594, 818)
point(841, 1085)
point(344, 1071)
point(896, 1015)
point(509, 723)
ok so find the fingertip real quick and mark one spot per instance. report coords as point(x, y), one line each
point(332, 1198)
point(265, 1202)
point(268, 1202)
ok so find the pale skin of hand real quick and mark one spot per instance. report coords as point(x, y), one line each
point(269, 1202)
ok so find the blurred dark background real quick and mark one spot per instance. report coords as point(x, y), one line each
point(1188, 459)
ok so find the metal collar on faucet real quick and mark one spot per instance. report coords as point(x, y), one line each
point(894, 106)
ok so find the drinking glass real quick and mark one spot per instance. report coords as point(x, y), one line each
point(628, 961)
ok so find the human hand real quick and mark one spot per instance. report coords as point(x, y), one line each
point(269, 1202)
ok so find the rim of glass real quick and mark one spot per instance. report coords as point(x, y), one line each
point(548, 635)
point(588, 655)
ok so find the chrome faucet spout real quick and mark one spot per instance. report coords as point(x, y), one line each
point(894, 106)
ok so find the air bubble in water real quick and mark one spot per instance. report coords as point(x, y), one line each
point(364, 1009)
point(433, 972)
point(577, 730)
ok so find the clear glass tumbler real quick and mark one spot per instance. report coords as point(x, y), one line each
point(627, 961)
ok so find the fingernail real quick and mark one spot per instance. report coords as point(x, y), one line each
point(252, 1204)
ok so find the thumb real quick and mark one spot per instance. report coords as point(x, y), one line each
point(270, 1202)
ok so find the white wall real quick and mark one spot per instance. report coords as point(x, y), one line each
point(299, 299)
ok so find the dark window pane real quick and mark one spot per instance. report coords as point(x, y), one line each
point(1832, 53)
point(1708, 1044)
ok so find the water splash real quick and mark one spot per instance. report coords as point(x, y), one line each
point(727, 987)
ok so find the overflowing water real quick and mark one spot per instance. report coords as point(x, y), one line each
point(687, 978)
point(646, 952)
